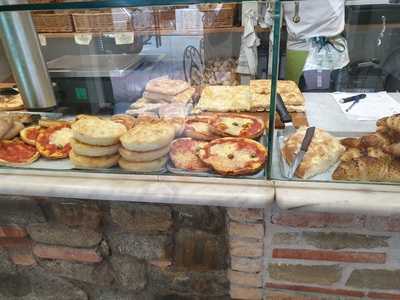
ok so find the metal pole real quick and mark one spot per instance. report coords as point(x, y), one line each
point(26, 60)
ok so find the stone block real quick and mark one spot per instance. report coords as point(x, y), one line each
point(245, 293)
point(199, 251)
point(311, 274)
point(147, 247)
point(255, 231)
point(67, 253)
point(6, 266)
point(206, 218)
point(374, 279)
point(58, 234)
point(386, 223)
point(286, 238)
point(77, 213)
point(102, 293)
point(245, 248)
point(245, 279)
point(246, 215)
point(98, 274)
point(244, 264)
point(12, 231)
point(14, 285)
point(130, 273)
point(20, 211)
point(134, 217)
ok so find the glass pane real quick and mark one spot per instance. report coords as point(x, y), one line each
point(173, 72)
point(331, 52)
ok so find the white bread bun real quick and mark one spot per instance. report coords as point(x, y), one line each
point(93, 151)
point(97, 132)
point(148, 135)
point(143, 156)
point(148, 166)
point(87, 162)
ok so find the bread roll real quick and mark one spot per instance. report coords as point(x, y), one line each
point(149, 166)
point(86, 162)
point(143, 156)
point(6, 124)
point(93, 151)
point(13, 131)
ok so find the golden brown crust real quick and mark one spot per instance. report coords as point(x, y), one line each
point(145, 166)
point(198, 128)
point(93, 151)
point(234, 156)
point(134, 156)
point(237, 125)
point(11, 103)
point(24, 134)
point(126, 120)
point(351, 142)
point(52, 123)
point(101, 162)
point(393, 149)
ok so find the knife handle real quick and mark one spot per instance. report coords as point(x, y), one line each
point(282, 110)
point(307, 139)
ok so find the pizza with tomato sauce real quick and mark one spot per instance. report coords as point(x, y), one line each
point(237, 125)
point(183, 154)
point(234, 156)
point(198, 128)
point(17, 153)
point(54, 142)
point(30, 134)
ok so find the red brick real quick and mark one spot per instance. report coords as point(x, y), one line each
point(23, 259)
point(66, 253)
point(12, 231)
point(317, 220)
point(14, 242)
point(313, 289)
point(343, 256)
point(387, 223)
point(375, 295)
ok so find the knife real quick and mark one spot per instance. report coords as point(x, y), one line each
point(284, 115)
point(303, 150)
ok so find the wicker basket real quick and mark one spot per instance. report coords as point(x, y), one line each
point(102, 21)
point(151, 19)
point(52, 22)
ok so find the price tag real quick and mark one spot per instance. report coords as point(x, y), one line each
point(42, 40)
point(83, 38)
point(124, 38)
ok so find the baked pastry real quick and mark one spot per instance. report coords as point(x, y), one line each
point(17, 153)
point(233, 156)
point(13, 131)
point(352, 153)
point(147, 166)
point(178, 123)
point(126, 120)
point(143, 156)
point(198, 127)
point(98, 132)
point(225, 99)
point(392, 122)
point(260, 86)
point(93, 151)
point(237, 125)
point(183, 97)
point(166, 86)
point(323, 152)
point(368, 169)
point(51, 123)
point(393, 149)
point(54, 142)
point(148, 135)
point(376, 139)
point(183, 154)
point(11, 102)
point(351, 142)
point(30, 134)
point(86, 162)
point(6, 123)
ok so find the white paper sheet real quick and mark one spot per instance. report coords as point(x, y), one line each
point(371, 108)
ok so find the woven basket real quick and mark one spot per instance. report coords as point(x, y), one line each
point(52, 22)
point(102, 21)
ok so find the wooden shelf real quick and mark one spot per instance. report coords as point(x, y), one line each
point(164, 32)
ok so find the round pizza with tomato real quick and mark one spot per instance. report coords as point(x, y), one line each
point(237, 125)
point(183, 154)
point(30, 134)
point(198, 127)
point(17, 153)
point(54, 142)
point(234, 156)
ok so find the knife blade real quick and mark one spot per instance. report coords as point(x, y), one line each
point(303, 150)
point(284, 115)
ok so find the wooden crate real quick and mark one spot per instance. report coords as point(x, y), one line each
point(52, 22)
point(102, 21)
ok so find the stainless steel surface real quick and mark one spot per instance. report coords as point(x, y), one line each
point(26, 60)
point(100, 65)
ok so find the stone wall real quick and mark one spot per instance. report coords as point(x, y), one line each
point(70, 249)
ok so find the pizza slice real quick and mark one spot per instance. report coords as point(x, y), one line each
point(54, 142)
point(17, 153)
point(183, 153)
point(237, 125)
point(198, 128)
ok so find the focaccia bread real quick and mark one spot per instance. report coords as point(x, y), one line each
point(166, 86)
point(13, 131)
point(6, 123)
point(237, 125)
point(93, 151)
point(86, 162)
point(148, 135)
point(144, 166)
point(323, 152)
point(11, 102)
point(225, 99)
point(126, 120)
point(183, 97)
point(260, 86)
point(97, 132)
point(143, 156)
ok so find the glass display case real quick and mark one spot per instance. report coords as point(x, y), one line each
point(213, 89)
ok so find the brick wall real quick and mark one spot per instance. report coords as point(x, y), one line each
point(75, 250)
point(331, 256)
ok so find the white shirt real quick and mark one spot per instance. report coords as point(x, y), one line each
point(317, 18)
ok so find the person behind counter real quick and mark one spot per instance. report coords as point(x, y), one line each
point(314, 41)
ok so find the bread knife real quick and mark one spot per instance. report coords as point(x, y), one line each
point(303, 150)
point(284, 115)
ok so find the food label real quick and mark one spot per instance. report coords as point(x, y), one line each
point(42, 40)
point(124, 38)
point(83, 38)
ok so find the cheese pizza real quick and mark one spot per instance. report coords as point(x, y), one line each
point(54, 142)
point(237, 125)
point(234, 156)
point(183, 154)
point(17, 153)
point(198, 127)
